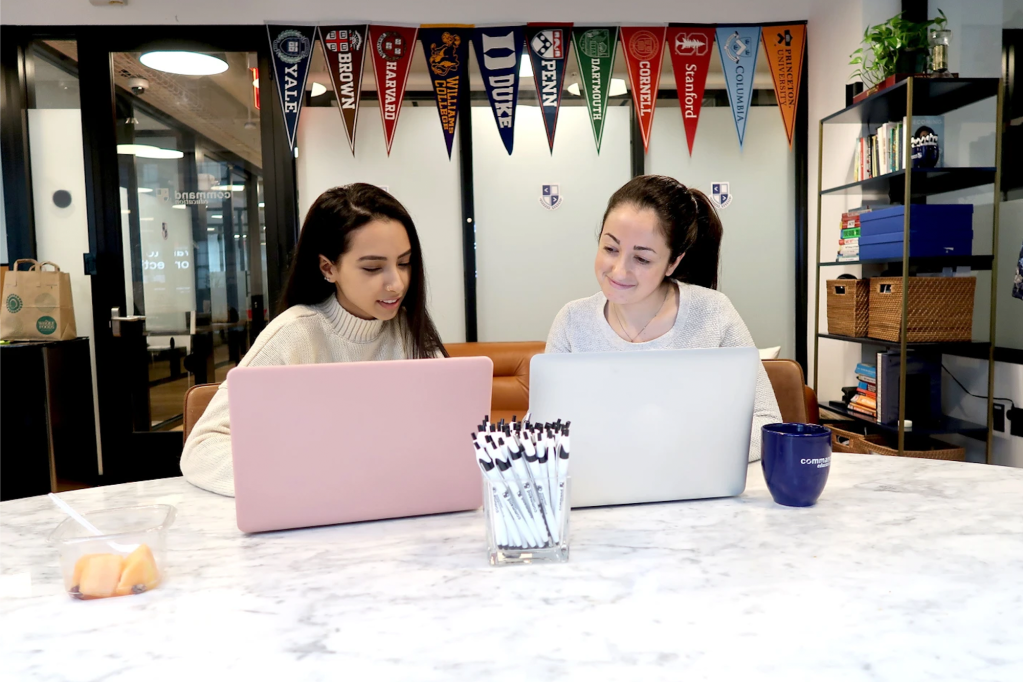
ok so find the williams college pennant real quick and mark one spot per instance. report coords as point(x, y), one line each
point(644, 50)
point(291, 48)
point(497, 52)
point(784, 47)
point(595, 51)
point(447, 58)
point(738, 47)
point(392, 48)
point(547, 45)
point(689, 47)
point(344, 48)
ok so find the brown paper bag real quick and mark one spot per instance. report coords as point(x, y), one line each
point(37, 304)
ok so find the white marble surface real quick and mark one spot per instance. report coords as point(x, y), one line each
point(906, 570)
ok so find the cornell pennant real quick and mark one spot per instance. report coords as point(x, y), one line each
point(646, 98)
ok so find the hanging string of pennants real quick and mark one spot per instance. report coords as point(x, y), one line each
point(502, 50)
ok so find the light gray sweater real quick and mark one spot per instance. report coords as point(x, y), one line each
point(301, 335)
point(706, 319)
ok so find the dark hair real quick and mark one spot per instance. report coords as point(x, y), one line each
point(327, 231)
point(688, 220)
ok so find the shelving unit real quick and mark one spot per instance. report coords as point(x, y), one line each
point(916, 97)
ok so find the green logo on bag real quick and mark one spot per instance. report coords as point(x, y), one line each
point(14, 303)
point(46, 325)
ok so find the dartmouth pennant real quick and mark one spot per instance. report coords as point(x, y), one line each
point(344, 48)
point(447, 58)
point(547, 45)
point(644, 51)
point(595, 52)
point(497, 52)
point(689, 47)
point(290, 49)
point(738, 48)
point(784, 48)
point(392, 48)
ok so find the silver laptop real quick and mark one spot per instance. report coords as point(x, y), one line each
point(650, 426)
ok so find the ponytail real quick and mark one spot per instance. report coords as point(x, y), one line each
point(687, 219)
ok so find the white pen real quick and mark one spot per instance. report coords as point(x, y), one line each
point(531, 487)
point(528, 529)
point(542, 487)
point(562, 468)
point(500, 526)
point(519, 488)
point(519, 527)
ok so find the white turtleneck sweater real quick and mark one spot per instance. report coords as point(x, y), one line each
point(301, 335)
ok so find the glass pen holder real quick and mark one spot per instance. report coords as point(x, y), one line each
point(525, 523)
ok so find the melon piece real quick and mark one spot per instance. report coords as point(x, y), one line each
point(76, 579)
point(139, 574)
point(100, 575)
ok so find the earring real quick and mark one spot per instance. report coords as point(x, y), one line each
point(326, 279)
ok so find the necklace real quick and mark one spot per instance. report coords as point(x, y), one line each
point(632, 339)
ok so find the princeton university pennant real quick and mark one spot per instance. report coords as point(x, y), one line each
point(690, 50)
point(447, 59)
point(344, 48)
point(392, 48)
point(291, 49)
point(784, 47)
point(644, 50)
point(738, 47)
point(595, 49)
point(547, 45)
point(498, 50)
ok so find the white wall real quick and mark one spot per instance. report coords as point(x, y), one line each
point(418, 173)
point(422, 11)
point(62, 234)
point(531, 261)
point(757, 255)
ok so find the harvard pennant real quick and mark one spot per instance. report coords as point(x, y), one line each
point(447, 58)
point(290, 50)
point(392, 48)
point(547, 45)
point(595, 49)
point(644, 50)
point(784, 47)
point(497, 52)
point(690, 50)
point(344, 48)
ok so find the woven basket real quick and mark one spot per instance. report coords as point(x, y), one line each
point(848, 306)
point(939, 309)
point(850, 442)
point(940, 450)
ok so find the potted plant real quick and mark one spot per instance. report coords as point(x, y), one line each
point(897, 47)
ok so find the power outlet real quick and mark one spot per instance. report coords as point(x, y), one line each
point(1016, 418)
point(998, 417)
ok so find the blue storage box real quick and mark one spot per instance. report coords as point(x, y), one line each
point(934, 230)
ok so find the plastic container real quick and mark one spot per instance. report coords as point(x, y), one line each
point(116, 563)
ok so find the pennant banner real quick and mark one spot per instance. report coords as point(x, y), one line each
point(738, 47)
point(447, 58)
point(291, 48)
point(784, 47)
point(595, 52)
point(644, 50)
point(498, 51)
point(392, 48)
point(689, 47)
point(344, 48)
point(547, 45)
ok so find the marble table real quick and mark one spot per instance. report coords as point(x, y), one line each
point(905, 570)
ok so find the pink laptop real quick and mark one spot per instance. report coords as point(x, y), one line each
point(320, 444)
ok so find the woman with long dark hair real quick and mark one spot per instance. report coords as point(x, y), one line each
point(356, 291)
point(657, 266)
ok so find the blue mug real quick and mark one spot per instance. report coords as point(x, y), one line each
point(796, 459)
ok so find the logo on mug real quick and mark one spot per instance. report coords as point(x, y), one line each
point(821, 462)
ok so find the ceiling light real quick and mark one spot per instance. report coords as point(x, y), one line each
point(146, 151)
point(124, 210)
point(211, 229)
point(525, 68)
point(261, 205)
point(617, 87)
point(145, 218)
point(143, 190)
point(574, 89)
point(318, 89)
point(216, 216)
point(228, 188)
point(237, 236)
point(179, 206)
point(184, 63)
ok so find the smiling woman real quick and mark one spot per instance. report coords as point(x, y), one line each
point(356, 291)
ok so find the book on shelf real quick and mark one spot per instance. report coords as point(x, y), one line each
point(863, 401)
point(870, 394)
point(851, 233)
point(865, 385)
point(851, 241)
point(843, 259)
point(862, 410)
point(863, 369)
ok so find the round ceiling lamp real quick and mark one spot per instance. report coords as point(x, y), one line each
point(184, 63)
